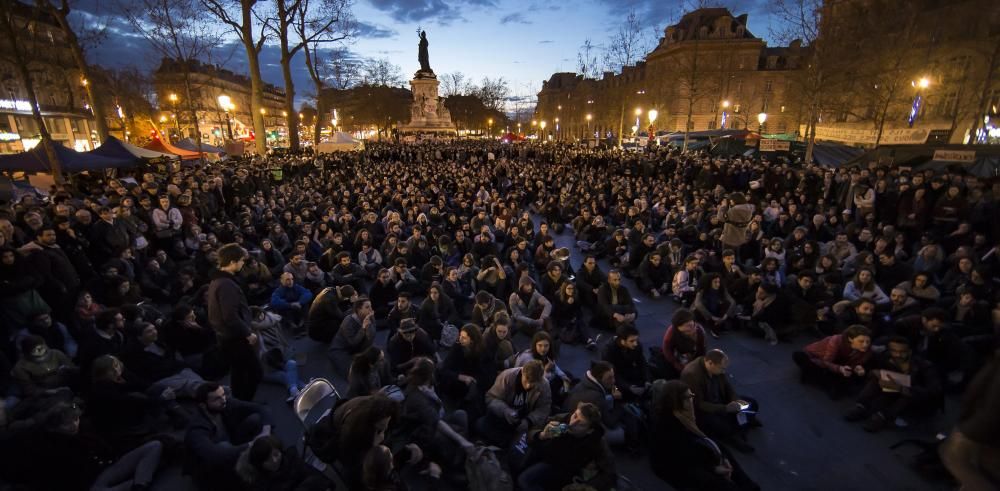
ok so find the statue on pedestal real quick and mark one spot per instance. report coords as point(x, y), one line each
point(422, 56)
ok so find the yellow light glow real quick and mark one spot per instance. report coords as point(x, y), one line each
point(761, 118)
point(638, 111)
point(225, 103)
point(924, 82)
point(173, 97)
point(589, 117)
point(653, 113)
point(725, 103)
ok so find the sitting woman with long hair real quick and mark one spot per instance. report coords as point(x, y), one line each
point(713, 306)
point(467, 371)
point(681, 454)
point(439, 433)
point(863, 286)
point(369, 372)
point(542, 350)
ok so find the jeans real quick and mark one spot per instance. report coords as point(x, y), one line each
point(244, 367)
point(134, 468)
point(289, 377)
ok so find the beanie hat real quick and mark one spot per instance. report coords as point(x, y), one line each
point(681, 317)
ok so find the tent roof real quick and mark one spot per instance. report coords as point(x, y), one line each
point(162, 146)
point(341, 137)
point(113, 147)
point(834, 155)
point(192, 146)
point(35, 160)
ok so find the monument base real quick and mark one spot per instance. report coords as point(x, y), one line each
point(428, 113)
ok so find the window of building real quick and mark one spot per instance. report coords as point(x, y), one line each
point(736, 108)
point(783, 127)
point(77, 125)
point(56, 125)
point(768, 85)
point(711, 124)
point(5, 124)
point(26, 126)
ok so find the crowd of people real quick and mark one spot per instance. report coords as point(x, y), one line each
point(126, 301)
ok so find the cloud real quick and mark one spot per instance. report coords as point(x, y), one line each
point(515, 18)
point(417, 10)
point(660, 13)
point(546, 41)
point(374, 31)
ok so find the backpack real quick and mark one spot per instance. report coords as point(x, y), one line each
point(484, 471)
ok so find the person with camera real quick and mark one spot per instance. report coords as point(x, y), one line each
point(566, 445)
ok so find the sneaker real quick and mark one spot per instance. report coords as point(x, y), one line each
point(769, 335)
point(591, 344)
point(875, 423)
point(713, 333)
point(857, 413)
point(655, 293)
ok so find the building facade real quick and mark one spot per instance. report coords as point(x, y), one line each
point(707, 72)
point(209, 83)
point(58, 87)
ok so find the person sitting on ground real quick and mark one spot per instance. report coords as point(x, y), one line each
point(404, 309)
point(435, 311)
point(266, 465)
point(836, 363)
point(42, 369)
point(922, 289)
point(542, 350)
point(863, 285)
point(615, 306)
point(150, 360)
point(379, 471)
point(291, 301)
point(440, 433)
point(589, 279)
point(685, 281)
point(625, 354)
point(106, 338)
point(55, 333)
point(408, 344)
point(326, 314)
point(568, 443)
point(53, 453)
point(356, 334)
point(498, 342)
point(221, 429)
point(716, 402)
point(530, 310)
point(654, 275)
point(486, 307)
point(347, 272)
point(598, 388)
point(369, 372)
point(519, 400)
point(466, 370)
point(683, 341)
point(713, 306)
point(937, 343)
point(900, 384)
point(276, 353)
point(567, 316)
point(685, 456)
point(382, 294)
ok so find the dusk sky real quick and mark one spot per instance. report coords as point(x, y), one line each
point(525, 41)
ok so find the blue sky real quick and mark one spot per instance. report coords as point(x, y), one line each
point(524, 41)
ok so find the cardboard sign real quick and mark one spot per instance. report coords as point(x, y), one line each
point(964, 156)
point(770, 145)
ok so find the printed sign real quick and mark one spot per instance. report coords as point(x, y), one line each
point(771, 145)
point(966, 156)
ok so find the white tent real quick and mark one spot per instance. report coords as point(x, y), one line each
point(341, 142)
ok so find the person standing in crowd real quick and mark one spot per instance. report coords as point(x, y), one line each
point(229, 315)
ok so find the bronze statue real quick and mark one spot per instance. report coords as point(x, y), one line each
point(422, 57)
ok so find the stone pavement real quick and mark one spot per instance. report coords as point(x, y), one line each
point(804, 444)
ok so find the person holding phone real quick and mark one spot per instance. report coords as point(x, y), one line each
point(716, 403)
point(567, 443)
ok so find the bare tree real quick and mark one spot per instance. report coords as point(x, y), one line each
point(175, 29)
point(628, 44)
point(243, 20)
point(21, 42)
point(382, 72)
point(322, 22)
point(493, 92)
point(343, 71)
point(454, 83)
point(61, 14)
point(587, 60)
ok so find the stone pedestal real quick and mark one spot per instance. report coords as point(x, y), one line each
point(427, 113)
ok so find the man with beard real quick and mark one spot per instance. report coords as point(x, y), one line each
point(220, 430)
point(61, 282)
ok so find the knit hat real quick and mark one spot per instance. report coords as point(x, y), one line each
point(681, 317)
point(407, 325)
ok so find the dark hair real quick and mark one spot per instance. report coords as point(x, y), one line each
point(476, 335)
point(590, 412)
point(599, 367)
point(542, 336)
point(934, 314)
point(716, 356)
point(626, 331)
point(230, 253)
point(377, 468)
point(899, 340)
point(106, 317)
point(483, 297)
point(261, 450)
point(365, 361)
point(856, 330)
point(421, 373)
point(360, 303)
point(674, 396)
point(201, 393)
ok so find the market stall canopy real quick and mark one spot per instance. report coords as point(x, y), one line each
point(35, 160)
point(115, 148)
point(192, 146)
point(829, 154)
point(162, 146)
point(339, 141)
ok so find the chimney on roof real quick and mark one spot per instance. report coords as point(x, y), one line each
point(742, 20)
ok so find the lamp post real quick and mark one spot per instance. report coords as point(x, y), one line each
point(761, 118)
point(588, 118)
point(490, 123)
point(227, 105)
point(557, 128)
point(544, 136)
point(918, 99)
point(652, 114)
point(725, 114)
point(534, 124)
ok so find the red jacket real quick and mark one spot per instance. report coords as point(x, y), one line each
point(835, 351)
point(679, 349)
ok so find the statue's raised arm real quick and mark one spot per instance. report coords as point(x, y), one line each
point(422, 57)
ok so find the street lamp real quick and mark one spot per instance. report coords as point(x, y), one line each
point(173, 106)
point(544, 136)
point(557, 126)
point(227, 105)
point(490, 122)
point(761, 118)
point(918, 99)
point(725, 114)
point(589, 117)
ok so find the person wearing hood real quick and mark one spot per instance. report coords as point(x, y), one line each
point(529, 309)
point(266, 465)
point(41, 368)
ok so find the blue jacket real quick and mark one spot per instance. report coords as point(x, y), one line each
point(284, 296)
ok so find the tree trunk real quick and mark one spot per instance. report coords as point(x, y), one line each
point(100, 119)
point(985, 94)
point(318, 123)
point(811, 133)
point(256, 82)
point(291, 119)
point(193, 111)
point(13, 36)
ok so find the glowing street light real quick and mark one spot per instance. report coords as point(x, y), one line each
point(173, 98)
point(653, 113)
point(923, 83)
point(761, 118)
point(226, 103)
point(638, 111)
point(542, 124)
point(490, 123)
point(725, 103)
